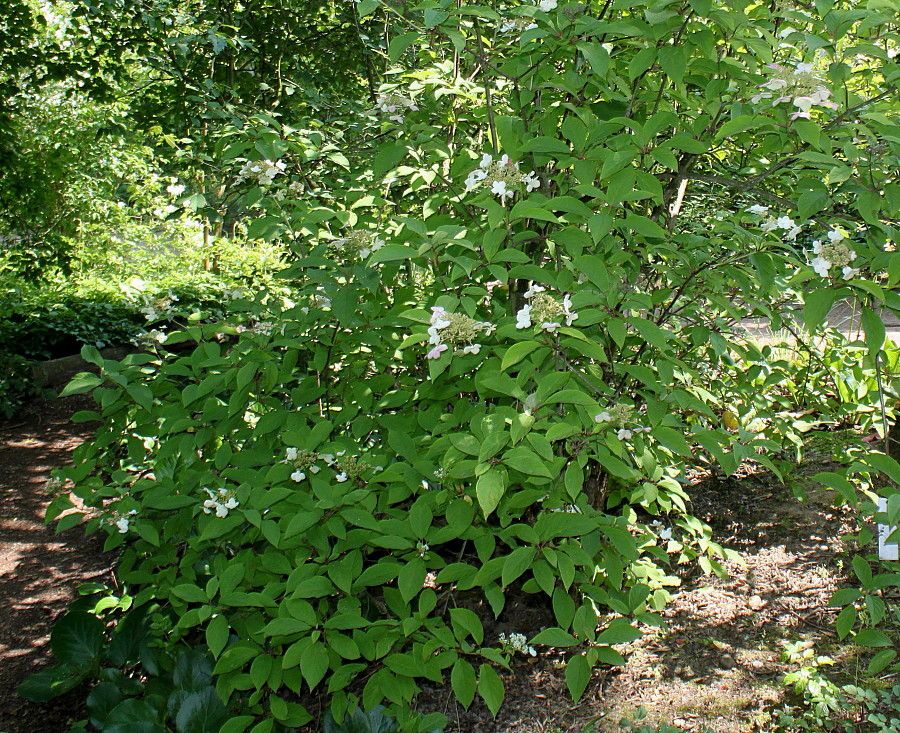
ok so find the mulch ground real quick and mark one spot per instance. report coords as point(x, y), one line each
point(714, 666)
point(40, 571)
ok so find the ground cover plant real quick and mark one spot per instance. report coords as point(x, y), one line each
point(518, 281)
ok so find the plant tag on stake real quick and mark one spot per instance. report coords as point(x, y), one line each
point(887, 550)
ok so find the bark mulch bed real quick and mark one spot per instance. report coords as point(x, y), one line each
point(40, 571)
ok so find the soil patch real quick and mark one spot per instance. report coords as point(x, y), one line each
point(40, 571)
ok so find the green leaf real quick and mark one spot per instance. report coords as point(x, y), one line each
point(134, 716)
point(314, 665)
point(516, 563)
point(518, 351)
point(817, 304)
point(490, 687)
point(81, 383)
point(596, 55)
point(47, 684)
point(881, 660)
point(393, 252)
point(872, 638)
point(366, 7)
point(578, 674)
point(555, 637)
point(190, 592)
point(619, 631)
point(525, 461)
point(201, 712)
point(874, 328)
point(845, 620)
point(77, 639)
point(411, 579)
point(490, 488)
point(235, 657)
point(397, 46)
point(462, 678)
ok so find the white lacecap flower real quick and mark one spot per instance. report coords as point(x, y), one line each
point(122, 524)
point(849, 272)
point(499, 188)
point(821, 266)
point(471, 349)
point(624, 434)
point(758, 209)
point(567, 309)
point(835, 236)
point(436, 352)
point(803, 68)
point(550, 327)
point(791, 234)
point(341, 477)
point(298, 476)
point(534, 289)
point(523, 317)
point(817, 247)
point(532, 182)
point(547, 5)
point(176, 189)
point(785, 222)
point(486, 161)
point(769, 226)
point(665, 534)
point(602, 417)
point(291, 454)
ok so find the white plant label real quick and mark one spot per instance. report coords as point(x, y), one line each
point(887, 550)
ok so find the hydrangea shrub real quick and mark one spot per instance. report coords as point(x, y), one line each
point(488, 385)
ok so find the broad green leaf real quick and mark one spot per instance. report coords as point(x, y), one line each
point(462, 678)
point(490, 687)
point(578, 674)
point(490, 488)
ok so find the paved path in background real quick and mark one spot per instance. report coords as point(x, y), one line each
point(843, 317)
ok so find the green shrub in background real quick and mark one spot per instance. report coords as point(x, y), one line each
point(507, 341)
point(17, 383)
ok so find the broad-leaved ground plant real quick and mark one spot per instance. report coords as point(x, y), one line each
point(522, 281)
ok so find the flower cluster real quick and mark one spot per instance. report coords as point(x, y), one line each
point(302, 461)
point(394, 105)
point(264, 172)
point(834, 253)
point(517, 25)
point(790, 228)
point(618, 416)
point(220, 501)
point(349, 468)
point(502, 176)
point(545, 310)
point(455, 329)
point(516, 643)
point(360, 242)
point(295, 189)
point(122, 521)
point(159, 308)
point(660, 530)
point(798, 85)
point(150, 338)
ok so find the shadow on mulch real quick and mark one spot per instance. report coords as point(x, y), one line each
point(40, 571)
